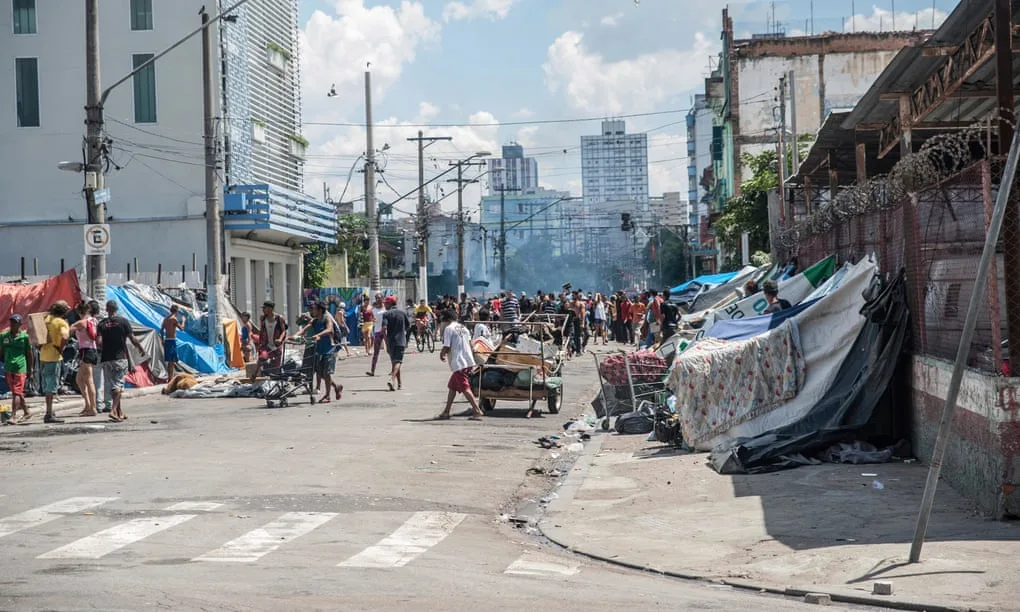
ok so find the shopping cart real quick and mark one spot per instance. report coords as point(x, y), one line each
point(292, 376)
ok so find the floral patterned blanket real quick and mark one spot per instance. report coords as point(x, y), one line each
point(719, 384)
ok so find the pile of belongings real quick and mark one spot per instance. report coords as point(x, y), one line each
point(646, 366)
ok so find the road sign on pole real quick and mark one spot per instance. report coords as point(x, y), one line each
point(97, 239)
point(102, 196)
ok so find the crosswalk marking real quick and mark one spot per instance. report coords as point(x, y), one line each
point(253, 545)
point(98, 545)
point(50, 512)
point(532, 565)
point(418, 534)
point(194, 507)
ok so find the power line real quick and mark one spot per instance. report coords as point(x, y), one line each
point(507, 123)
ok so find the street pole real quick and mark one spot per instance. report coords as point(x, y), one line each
point(793, 121)
point(782, 153)
point(214, 234)
point(374, 281)
point(460, 214)
point(423, 220)
point(502, 237)
point(94, 140)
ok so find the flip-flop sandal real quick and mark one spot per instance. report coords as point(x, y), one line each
point(390, 385)
point(441, 418)
point(474, 418)
point(26, 419)
point(114, 419)
point(324, 400)
point(369, 374)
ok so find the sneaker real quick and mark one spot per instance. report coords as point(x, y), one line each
point(52, 419)
point(389, 383)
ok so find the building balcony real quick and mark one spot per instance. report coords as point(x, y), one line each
point(278, 215)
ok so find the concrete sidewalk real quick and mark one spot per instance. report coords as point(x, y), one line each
point(823, 529)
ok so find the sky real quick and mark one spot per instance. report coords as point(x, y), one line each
point(538, 72)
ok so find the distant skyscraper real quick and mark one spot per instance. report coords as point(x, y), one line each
point(513, 171)
point(614, 167)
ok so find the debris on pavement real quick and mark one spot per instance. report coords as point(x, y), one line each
point(882, 588)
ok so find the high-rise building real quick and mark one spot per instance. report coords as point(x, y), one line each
point(614, 167)
point(513, 172)
point(155, 152)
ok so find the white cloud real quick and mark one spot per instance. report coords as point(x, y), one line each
point(885, 21)
point(611, 21)
point(594, 85)
point(491, 9)
point(336, 49)
point(524, 113)
point(526, 136)
point(428, 111)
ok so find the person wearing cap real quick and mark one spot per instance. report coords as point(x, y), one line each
point(395, 324)
point(114, 334)
point(51, 355)
point(16, 352)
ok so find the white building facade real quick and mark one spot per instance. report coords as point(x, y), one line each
point(155, 169)
point(614, 167)
point(512, 172)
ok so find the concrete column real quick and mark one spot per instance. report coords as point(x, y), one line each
point(294, 292)
point(259, 277)
point(241, 269)
point(279, 275)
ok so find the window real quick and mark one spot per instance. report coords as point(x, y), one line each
point(141, 14)
point(277, 56)
point(26, 71)
point(145, 89)
point(24, 16)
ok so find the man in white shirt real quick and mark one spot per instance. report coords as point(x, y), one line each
point(482, 327)
point(457, 346)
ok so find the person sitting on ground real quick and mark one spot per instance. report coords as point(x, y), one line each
point(457, 346)
point(776, 303)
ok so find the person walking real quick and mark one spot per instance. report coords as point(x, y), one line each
point(86, 331)
point(51, 355)
point(171, 324)
point(637, 319)
point(114, 334)
point(19, 363)
point(625, 325)
point(321, 327)
point(378, 310)
point(599, 317)
point(395, 325)
point(366, 319)
point(247, 331)
point(457, 347)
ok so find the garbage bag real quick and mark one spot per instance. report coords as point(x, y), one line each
point(493, 380)
point(640, 421)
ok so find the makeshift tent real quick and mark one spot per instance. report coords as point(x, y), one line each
point(849, 405)
point(728, 291)
point(192, 352)
point(705, 279)
point(38, 297)
point(793, 289)
point(828, 328)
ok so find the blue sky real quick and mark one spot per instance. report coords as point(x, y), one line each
point(480, 64)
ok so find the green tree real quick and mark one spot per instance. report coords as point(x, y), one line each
point(668, 254)
point(353, 238)
point(749, 212)
point(316, 268)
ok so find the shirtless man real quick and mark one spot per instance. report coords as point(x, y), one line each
point(171, 324)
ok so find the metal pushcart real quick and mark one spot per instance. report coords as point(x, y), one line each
point(542, 366)
point(639, 382)
point(293, 377)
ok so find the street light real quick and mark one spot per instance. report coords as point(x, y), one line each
point(460, 214)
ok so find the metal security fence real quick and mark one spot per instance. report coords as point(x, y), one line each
point(936, 235)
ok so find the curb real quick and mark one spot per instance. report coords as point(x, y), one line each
point(74, 402)
point(563, 537)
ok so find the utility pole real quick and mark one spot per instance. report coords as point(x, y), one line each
point(502, 189)
point(94, 179)
point(794, 149)
point(423, 217)
point(781, 176)
point(374, 282)
point(460, 218)
point(214, 234)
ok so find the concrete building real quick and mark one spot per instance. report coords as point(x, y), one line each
point(671, 209)
point(154, 126)
point(531, 214)
point(513, 171)
point(614, 167)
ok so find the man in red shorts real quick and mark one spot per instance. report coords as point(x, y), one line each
point(16, 352)
point(457, 346)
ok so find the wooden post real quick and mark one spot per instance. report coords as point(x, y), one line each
point(129, 271)
point(159, 275)
point(184, 277)
point(1011, 222)
point(136, 265)
point(35, 266)
point(862, 177)
point(194, 263)
point(833, 192)
point(912, 235)
point(61, 265)
point(22, 268)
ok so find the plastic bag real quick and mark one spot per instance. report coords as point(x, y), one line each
point(640, 421)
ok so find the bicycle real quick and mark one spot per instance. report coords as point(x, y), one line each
point(424, 337)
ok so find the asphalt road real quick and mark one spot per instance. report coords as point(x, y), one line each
point(363, 504)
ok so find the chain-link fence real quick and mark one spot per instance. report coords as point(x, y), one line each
point(936, 235)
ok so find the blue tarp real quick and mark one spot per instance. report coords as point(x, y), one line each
point(191, 351)
point(749, 327)
point(708, 279)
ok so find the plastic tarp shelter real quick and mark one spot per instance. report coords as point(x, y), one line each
point(707, 279)
point(38, 297)
point(192, 352)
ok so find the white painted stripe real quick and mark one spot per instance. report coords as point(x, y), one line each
point(420, 533)
point(98, 545)
point(51, 512)
point(528, 565)
point(194, 507)
point(255, 544)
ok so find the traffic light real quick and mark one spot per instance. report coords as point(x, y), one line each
point(625, 224)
